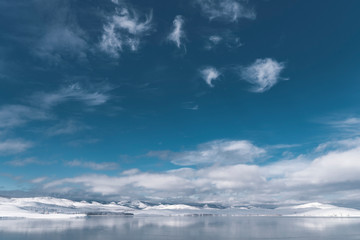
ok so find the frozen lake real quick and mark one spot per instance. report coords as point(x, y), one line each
point(207, 227)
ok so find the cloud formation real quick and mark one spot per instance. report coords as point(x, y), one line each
point(333, 167)
point(177, 34)
point(93, 165)
point(225, 38)
point(219, 152)
point(227, 10)
point(66, 127)
point(25, 162)
point(348, 126)
point(331, 175)
point(72, 92)
point(40, 104)
point(59, 42)
point(263, 74)
point(209, 74)
point(13, 146)
point(17, 115)
point(61, 36)
point(124, 29)
point(213, 41)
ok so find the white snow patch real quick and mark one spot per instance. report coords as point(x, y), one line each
point(55, 208)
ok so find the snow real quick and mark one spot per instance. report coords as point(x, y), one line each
point(52, 208)
point(316, 209)
point(330, 212)
point(171, 207)
point(57, 208)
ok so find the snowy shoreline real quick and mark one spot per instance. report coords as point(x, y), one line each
point(55, 208)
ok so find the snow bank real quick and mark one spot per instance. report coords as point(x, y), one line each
point(55, 208)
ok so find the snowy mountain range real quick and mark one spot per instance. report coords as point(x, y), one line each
point(56, 208)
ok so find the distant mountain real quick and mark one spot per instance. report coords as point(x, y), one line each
point(316, 209)
point(48, 207)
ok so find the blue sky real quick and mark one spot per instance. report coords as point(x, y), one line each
point(202, 100)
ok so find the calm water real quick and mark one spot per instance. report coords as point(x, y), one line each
point(187, 228)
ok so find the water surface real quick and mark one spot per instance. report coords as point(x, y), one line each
point(181, 228)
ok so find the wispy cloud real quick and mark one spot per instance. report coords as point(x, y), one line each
point(263, 74)
point(213, 41)
point(124, 29)
point(209, 74)
point(349, 126)
point(38, 180)
point(40, 104)
point(115, 1)
point(13, 146)
point(344, 144)
point(177, 34)
point(190, 106)
point(61, 36)
point(219, 151)
point(226, 38)
point(17, 115)
point(227, 10)
point(66, 127)
point(59, 42)
point(72, 92)
point(93, 165)
point(26, 161)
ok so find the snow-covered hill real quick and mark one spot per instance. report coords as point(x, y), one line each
point(47, 207)
point(55, 208)
point(323, 210)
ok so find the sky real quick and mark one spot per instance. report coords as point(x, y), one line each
point(232, 102)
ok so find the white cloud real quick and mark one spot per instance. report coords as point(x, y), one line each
point(206, 184)
point(238, 176)
point(209, 74)
point(333, 167)
point(124, 29)
point(214, 185)
point(349, 126)
point(104, 184)
point(263, 74)
point(344, 144)
point(190, 106)
point(27, 161)
point(177, 33)
point(16, 115)
point(330, 176)
point(227, 10)
point(66, 127)
point(93, 165)
point(345, 124)
point(38, 180)
point(41, 103)
point(215, 39)
point(73, 92)
point(219, 151)
point(349, 121)
point(227, 39)
point(13, 146)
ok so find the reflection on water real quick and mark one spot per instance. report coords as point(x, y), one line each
point(181, 228)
